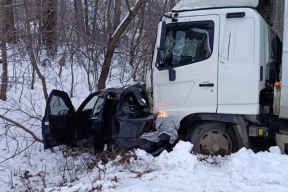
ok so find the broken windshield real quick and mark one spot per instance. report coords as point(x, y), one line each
point(188, 42)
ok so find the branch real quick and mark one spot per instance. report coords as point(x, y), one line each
point(14, 5)
point(128, 6)
point(126, 21)
point(18, 153)
point(25, 129)
point(22, 127)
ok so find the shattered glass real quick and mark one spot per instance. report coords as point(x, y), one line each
point(190, 48)
point(189, 42)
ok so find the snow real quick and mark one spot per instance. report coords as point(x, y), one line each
point(260, 172)
point(275, 150)
point(178, 170)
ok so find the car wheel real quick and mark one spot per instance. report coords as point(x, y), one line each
point(214, 138)
point(113, 147)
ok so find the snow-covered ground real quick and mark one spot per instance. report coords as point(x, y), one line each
point(178, 170)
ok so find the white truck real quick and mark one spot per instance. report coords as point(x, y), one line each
point(217, 68)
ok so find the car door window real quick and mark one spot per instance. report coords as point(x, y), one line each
point(91, 103)
point(57, 104)
point(98, 106)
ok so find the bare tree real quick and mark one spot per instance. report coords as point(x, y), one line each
point(94, 19)
point(49, 21)
point(31, 50)
point(117, 14)
point(86, 13)
point(136, 38)
point(4, 83)
point(114, 40)
point(10, 26)
point(79, 20)
point(172, 3)
point(109, 22)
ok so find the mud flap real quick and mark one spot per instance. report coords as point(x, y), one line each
point(241, 131)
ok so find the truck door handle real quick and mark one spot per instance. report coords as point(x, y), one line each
point(206, 85)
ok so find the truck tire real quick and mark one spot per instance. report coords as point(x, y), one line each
point(214, 138)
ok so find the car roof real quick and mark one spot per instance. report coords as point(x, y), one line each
point(119, 91)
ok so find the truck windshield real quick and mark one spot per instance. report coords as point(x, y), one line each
point(188, 42)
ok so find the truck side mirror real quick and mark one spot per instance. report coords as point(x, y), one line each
point(160, 44)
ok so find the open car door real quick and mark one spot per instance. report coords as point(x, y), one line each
point(59, 122)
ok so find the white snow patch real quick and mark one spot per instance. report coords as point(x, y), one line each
point(263, 171)
point(275, 150)
point(178, 170)
point(180, 158)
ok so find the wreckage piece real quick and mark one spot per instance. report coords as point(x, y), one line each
point(132, 116)
point(165, 126)
point(126, 127)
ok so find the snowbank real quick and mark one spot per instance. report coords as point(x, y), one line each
point(178, 170)
point(259, 172)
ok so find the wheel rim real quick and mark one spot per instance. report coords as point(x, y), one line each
point(215, 142)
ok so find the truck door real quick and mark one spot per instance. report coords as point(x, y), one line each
point(191, 51)
point(58, 123)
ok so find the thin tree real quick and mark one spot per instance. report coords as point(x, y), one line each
point(49, 26)
point(30, 50)
point(114, 40)
point(80, 27)
point(86, 13)
point(4, 83)
point(117, 14)
point(10, 26)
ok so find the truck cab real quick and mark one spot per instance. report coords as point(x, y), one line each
point(214, 67)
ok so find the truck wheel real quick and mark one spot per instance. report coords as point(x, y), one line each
point(214, 138)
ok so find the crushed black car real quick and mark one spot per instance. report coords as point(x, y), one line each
point(114, 118)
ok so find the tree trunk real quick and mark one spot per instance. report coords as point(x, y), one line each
point(10, 26)
point(29, 46)
point(79, 20)
point(114, 40)
point(172, 4)
point(33, 78)
point(4, 83)
point(109, 22)
point(72, 80)
point(165, 6)
point(117, 14)
point(49, 26)
point(94, 21)
point(86, 18)
point(135, 42)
